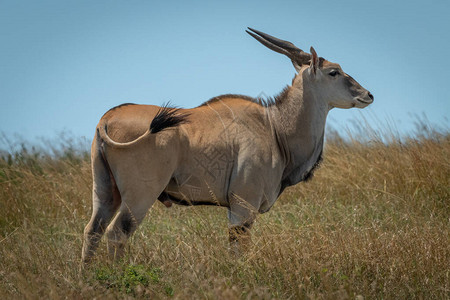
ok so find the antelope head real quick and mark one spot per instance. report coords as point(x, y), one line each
point(329, 82)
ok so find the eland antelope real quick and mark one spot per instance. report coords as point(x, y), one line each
point(232, 151)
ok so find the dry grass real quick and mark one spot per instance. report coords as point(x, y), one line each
point(373, 223)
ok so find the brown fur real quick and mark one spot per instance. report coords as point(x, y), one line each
point(232, 151)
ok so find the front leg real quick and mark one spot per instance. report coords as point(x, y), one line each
point(241, 215)
point(240, 238)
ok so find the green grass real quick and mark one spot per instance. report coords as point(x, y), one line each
point(374, 222)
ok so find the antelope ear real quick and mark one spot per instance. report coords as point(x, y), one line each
point(314, 61)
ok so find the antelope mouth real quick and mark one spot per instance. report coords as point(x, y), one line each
point(368, 101)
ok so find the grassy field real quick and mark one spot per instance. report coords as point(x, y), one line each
point(374, 223)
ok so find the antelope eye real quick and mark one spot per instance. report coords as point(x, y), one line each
point(333, 73)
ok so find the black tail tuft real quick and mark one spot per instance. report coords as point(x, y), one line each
point(167, 117)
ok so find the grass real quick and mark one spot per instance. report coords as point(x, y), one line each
point(372, 224)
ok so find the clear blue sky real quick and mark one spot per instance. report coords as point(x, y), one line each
point(64, 63)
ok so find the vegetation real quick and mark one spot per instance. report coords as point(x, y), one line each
point(372, 224)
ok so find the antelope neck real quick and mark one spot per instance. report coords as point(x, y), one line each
point(299, 125)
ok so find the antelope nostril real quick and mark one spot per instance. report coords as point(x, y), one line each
point(370, 96)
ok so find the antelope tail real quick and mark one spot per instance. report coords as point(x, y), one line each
point(105, 137)
point(166, 117)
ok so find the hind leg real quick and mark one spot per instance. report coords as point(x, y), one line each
point(139, 190)
point(106, 201)
point(141, 172)
point(135, 205)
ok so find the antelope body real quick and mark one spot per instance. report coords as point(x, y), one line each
point(232, 151)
